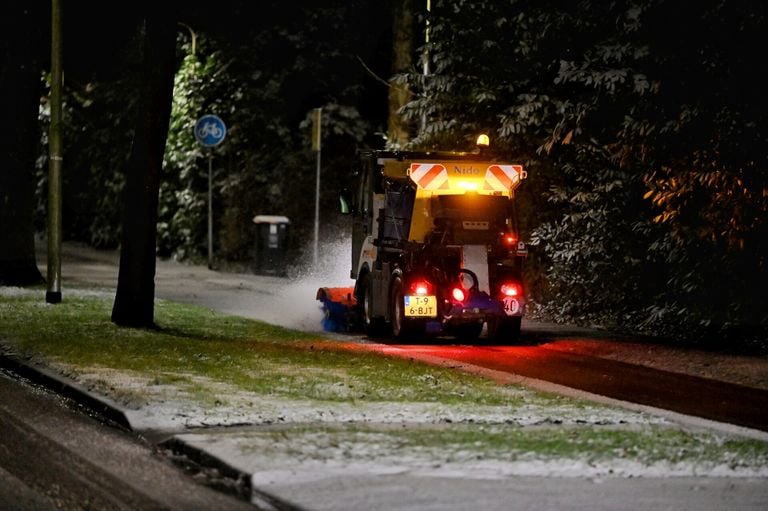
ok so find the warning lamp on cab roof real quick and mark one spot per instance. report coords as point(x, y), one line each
point(483, 140)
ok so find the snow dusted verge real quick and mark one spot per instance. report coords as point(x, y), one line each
point(195, 402)
point(300, 455)
point(23, 292)
point(276, 438)
point(272, 437)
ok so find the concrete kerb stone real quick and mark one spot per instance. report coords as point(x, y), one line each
point(222, 476)
point(234, 481)
point(103, 407)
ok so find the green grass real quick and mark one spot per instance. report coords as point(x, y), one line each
point(650, 445)
point(247, 354)
point(192, 348)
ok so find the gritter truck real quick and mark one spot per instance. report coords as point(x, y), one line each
point(435, 248)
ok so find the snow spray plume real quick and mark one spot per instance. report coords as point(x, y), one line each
point(332, 270)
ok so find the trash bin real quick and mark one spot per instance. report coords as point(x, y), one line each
point(271, 244)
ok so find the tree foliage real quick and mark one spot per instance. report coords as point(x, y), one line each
point(644, 137)
point(265, 165)
point(639, 123)
point(262, 68)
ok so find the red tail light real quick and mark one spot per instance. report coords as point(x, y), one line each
point(458, 294)
point(509, 239)
point(420, 287)
point(511, 289)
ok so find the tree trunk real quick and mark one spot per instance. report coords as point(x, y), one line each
point(398, 133)
point(21, 47)
point(134, 300)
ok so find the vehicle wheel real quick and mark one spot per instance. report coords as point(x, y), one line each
point(504, 330)
point(402, 329)
point(373, 326)
point(469, 331)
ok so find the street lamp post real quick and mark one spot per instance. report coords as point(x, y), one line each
point(316, 145)
point(425, 67)
point(53, 292)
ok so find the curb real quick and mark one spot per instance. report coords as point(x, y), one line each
point(105, 408)
point(234, 481)
point(222, 476)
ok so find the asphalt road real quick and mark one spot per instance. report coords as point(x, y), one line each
point(682, 393)
point(53, 456)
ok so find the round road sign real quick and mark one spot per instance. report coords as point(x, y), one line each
point(210, 130)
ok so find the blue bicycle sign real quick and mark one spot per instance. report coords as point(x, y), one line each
point(210, 130)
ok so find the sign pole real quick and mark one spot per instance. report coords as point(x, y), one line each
point(210, 131)
point(317, 209)
point(210, 210)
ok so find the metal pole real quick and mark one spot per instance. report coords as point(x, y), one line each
point(53, 292)
point(317, 209)
point(426, 39)
point(317, 131)
point(425, 68)
point(210, 210)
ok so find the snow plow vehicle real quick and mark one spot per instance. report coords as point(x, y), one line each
point(435, 248)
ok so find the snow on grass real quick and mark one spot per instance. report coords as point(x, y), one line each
point(269, 436)
point(25, 292)
point(176, 402)
point(307, 455)
point(524, 434)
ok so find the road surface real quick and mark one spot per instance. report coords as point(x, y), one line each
point(53, 456)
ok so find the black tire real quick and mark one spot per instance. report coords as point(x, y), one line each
point(504, 330)
point(402, 328)
point(373, 326)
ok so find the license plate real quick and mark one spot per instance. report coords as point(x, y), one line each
point(420, 306)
